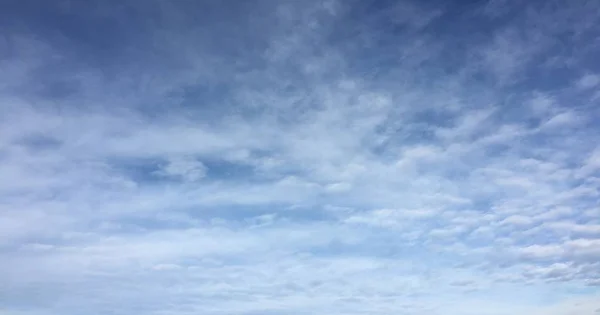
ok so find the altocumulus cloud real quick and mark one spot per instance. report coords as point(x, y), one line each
point(299, 157)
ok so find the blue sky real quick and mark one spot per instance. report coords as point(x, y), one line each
point(299, 157)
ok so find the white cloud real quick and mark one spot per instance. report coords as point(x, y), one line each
point(518, 220)
point(330, 166)
point(591, 164)
point(188, 169)
point(564, 119)
point(588, 81)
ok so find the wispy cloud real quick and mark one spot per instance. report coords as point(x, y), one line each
point(299, 157)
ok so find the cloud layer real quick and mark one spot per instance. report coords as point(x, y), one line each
point(299, 157)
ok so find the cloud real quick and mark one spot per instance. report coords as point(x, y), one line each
point(185, 168)
point(588, 81)
point(299, 157)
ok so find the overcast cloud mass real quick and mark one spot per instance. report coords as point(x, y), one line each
point(299, 157)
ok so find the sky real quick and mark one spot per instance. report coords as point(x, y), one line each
point(299, 157)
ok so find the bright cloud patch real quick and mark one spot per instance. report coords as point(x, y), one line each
point(299, 157)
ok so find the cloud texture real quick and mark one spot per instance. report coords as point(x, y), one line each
point(299, 157)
